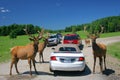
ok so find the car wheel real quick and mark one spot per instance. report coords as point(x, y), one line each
point(55, 73)
point(51, 70)
point(84, 69)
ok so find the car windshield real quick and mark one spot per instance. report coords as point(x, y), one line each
point(70, 37)
point(67, 49)
point(53, 36)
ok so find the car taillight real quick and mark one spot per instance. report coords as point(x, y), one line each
point(53, 58)
point(81, 58)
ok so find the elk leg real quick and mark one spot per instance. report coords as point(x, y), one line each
point(94, 64)
point(33, 60)
point(12, 62)
point(16, 65)
point(29, 62)
point(11, 67)
point(100, 63)
point(42, 57)
point(105, 62)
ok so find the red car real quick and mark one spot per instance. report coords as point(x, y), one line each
point(71, 39)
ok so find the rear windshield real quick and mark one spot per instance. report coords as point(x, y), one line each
point(70, 37)
point(67, 49)
point(53, 36)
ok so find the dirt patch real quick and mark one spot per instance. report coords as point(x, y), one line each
point(20, 77)
point(114, 64)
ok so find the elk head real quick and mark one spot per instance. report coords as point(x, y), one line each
point(33, 38)
point(94, 36)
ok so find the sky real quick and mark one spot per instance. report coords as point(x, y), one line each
point(56, 14)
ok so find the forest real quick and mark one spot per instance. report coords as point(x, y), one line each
point(110, 24)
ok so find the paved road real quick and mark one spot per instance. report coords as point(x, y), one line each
point(45, 74)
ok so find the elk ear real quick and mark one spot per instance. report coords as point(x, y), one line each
point(31, 39)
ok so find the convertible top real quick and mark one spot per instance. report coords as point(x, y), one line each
point(67, 45)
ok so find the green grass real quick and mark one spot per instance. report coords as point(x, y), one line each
point(6, 43)
point(82, 34)
point(110, 34)
point(114, 49)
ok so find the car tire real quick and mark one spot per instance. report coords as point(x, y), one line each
point(51, 70)
point(83, 69)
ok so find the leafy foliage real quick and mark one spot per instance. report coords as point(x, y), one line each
point(13, 34)
point(17, 29)
point(110, 24)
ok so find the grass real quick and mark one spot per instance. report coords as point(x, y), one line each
point(6, 43)
point(110, 34)
point(114, 50)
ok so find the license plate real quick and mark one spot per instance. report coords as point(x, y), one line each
point(70, 42)
point(66, 60)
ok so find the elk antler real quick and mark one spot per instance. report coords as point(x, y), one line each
point(40, 33)
point(102, 28)
point(27, 32)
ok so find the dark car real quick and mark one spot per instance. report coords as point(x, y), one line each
point(59, 35)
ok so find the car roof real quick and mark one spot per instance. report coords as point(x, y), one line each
point(70, 34)
point(68, 45)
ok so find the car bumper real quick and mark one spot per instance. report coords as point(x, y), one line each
point(78, 66)
point(52, 43)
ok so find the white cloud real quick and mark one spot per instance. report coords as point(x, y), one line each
point(3, 10)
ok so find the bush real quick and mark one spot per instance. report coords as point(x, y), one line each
point(13, 35)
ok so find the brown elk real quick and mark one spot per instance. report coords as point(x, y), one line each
point(41, 48)
point(99, 50)
point(87, 42)
point(25, 52)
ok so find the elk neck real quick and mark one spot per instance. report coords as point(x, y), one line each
point(35, 48)
point(95, 46)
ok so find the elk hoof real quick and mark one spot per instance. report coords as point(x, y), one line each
point(10, 74)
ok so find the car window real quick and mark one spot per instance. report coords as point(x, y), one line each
point(67, 49)
point(70, 37)
point(54, 36)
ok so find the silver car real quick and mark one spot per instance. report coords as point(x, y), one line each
point(67, 57)
point(53, 40)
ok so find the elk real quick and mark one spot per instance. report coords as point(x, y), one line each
point(99, 50)
point(87, 42)
point(27, 52)
point(41, 48)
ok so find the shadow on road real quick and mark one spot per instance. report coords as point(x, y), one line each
point(42, 62)
point(108, 72)
point(39, 73)
point(87, 71)
point(73, 73)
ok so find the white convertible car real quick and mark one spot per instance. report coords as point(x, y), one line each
point(67, 57)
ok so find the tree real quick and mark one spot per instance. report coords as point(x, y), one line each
point(13, 34)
